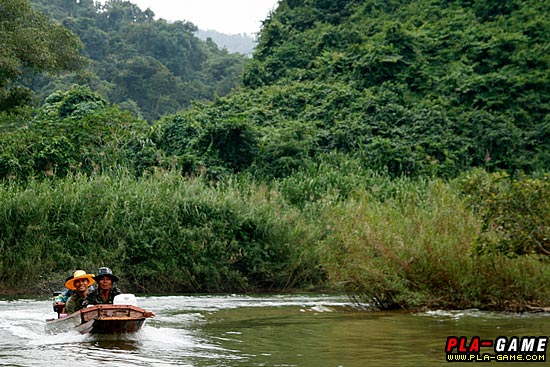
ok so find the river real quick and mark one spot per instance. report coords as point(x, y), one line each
point(245, 330)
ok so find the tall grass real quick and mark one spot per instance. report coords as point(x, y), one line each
point(161, 233)
point(414, 250)
point(394, 243)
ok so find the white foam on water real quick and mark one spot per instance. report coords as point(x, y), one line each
point(475, 313)
point(174, 337)
point(21, 324)
point(321, 308)
point(214, 303)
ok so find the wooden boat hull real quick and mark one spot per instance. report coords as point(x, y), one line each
point(101, 319)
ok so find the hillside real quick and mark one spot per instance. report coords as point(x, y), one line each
point(398, 150)
point(410, 87)
point(148, 66)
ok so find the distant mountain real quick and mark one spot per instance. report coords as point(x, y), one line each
point(240, 43)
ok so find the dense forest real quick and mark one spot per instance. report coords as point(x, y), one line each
point(399, 150)
point(146, 65)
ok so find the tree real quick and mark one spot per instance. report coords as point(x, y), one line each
point(28, 41)
point(162, 66)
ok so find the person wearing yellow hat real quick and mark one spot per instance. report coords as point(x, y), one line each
point(79, 283)
point(61, 297)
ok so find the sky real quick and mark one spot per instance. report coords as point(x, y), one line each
point(225, 16)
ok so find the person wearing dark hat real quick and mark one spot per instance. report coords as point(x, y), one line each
point(79, 283)
point(105, 292)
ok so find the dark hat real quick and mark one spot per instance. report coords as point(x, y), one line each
point(105, 272)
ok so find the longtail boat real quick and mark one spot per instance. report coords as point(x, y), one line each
point(101, 319)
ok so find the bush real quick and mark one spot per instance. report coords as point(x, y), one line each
point(515, 212)
point(414, 250)
point(162, 232)
point(218, 145)
point(74, 131)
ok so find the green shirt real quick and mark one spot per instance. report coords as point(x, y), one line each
point(74, 304)
point(94, 298)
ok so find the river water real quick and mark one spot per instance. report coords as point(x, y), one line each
point(243, 330)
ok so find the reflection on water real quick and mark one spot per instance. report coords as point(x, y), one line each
point(289, 330)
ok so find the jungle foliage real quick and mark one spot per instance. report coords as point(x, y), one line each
point(419, 85)
point(411, 87)
point(29, 41)
point(73, 131)
point(145, 65)
point(398, 150)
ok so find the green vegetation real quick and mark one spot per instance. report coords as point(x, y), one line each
point(162, 233)
point(445, 84)
point(415, 250)
point(146, 65)
point(396, 150)
point(515, 213)
point(401, 243)
point(29, 41)
point(74, 131)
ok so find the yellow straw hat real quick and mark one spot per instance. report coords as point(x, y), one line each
point(79, 274)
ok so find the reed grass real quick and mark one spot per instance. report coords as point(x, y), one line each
point(161, 233)
point(391, 243)
point(414, 250)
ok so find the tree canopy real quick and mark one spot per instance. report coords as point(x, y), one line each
point(31, 42)
point(407, 87)
point(139, 61)
point(459, 83)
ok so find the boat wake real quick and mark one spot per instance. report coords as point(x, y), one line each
point(187, 331)
point(169, 340)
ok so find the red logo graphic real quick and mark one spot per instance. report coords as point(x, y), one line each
point(513, 349)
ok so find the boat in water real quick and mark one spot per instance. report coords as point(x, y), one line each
point(103, 319)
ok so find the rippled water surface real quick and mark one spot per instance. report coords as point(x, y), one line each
point(234, 330)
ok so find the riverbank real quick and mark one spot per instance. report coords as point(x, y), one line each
point(46, 288)
point(398, 243)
